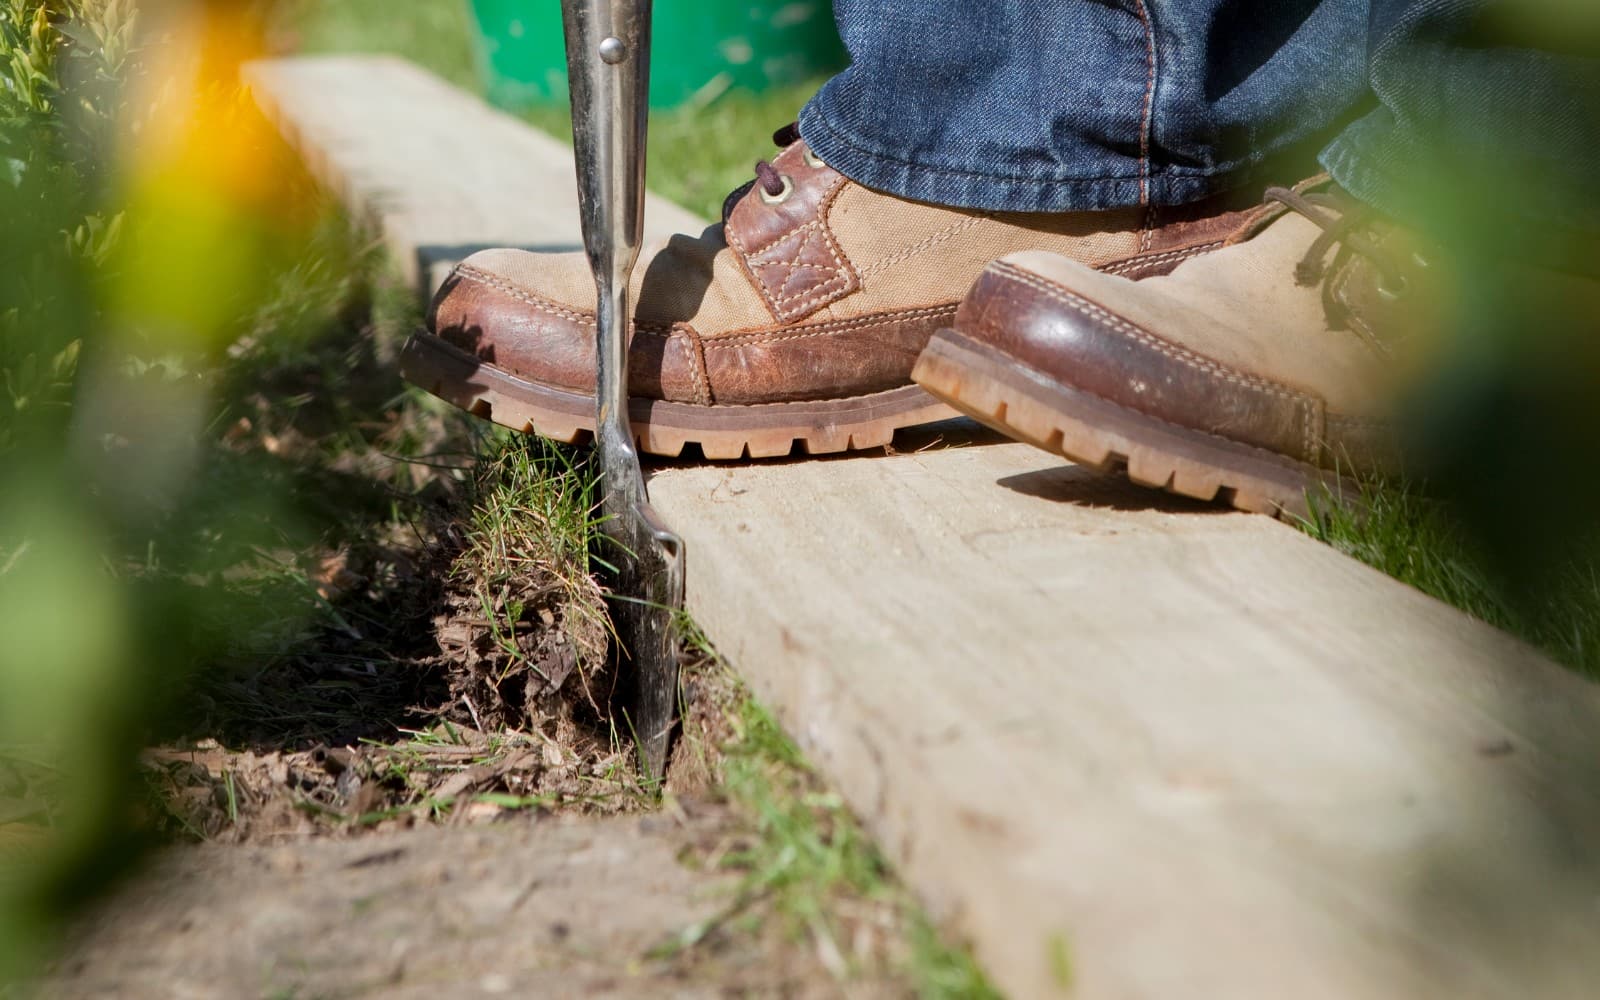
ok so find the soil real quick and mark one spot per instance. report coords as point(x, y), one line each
point(530, 907)
point(397, 770)
point(285, 890)
point(290, 892)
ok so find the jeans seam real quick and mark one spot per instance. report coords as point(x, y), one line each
point(1149, 100)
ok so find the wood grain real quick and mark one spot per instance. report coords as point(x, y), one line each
point(1134, 747)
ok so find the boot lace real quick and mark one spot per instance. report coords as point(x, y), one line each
point(774, 186)
point(1345, 224)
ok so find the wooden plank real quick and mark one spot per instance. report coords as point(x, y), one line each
point(1139, 748)
point(1132, 747)
point(443, 173)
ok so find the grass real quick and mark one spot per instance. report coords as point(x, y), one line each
point(434, 34)
point(697, 155)
point(1411, 536)
point(810, 853)
point(808, 870)
point(533, 522)
point(458, 647)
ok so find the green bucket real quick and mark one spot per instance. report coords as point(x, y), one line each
point(701, 48)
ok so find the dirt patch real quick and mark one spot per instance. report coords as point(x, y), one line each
point(530, 907)
point(452, 774)
point(452, 669)
point(417, 638)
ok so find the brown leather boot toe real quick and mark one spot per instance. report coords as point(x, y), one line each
point(1251, 374)
point(797, 320)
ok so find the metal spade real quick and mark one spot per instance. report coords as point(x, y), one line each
point(608, 63)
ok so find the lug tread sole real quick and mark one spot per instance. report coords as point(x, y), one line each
point(1024, 403)
point(722, 432)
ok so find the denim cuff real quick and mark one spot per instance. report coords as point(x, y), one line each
point(1352, 160)
point(990, 191)
point(1425, 183)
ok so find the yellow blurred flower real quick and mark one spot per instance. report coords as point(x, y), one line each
point(205, 182)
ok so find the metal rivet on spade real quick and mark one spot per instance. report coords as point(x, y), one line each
point(612, 50)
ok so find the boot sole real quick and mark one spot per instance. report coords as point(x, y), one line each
point(763, 430)
point(1024, 403)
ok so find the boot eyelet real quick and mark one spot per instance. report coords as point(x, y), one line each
point(1395, 292)
point(782, 196)
point(811, 158)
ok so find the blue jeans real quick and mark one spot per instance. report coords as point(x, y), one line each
point(1061, 105)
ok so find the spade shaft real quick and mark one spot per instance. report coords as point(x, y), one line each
point(608, 64)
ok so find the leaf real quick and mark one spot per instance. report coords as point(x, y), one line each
point(65, 363)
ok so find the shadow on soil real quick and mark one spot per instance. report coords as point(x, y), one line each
point(398, 623)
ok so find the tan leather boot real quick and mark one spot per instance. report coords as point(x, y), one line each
point(1250, 374)
point(797, 320)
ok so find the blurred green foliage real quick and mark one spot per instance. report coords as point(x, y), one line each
point(1503, 422)
point(61, 614)
point(54, 145)
point(165, 260)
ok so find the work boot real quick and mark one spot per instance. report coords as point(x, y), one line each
point(797, 319)
point(1252, 374)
